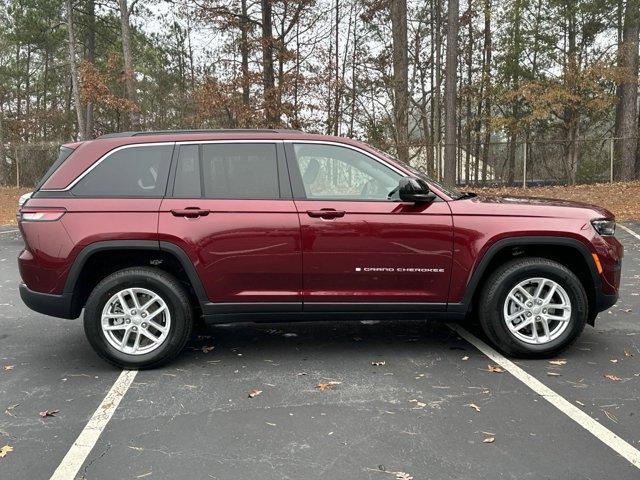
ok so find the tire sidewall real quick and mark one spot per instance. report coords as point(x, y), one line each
point(494, 317)
point(109, 287)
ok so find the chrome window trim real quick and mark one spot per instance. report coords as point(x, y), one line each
point(102, 159)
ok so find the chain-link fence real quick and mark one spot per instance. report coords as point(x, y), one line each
point(531, 162)
point(525, 162)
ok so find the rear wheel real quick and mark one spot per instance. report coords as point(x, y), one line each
point(533, 307)
point(138, 318)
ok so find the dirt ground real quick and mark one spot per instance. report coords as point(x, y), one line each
point(622, 198)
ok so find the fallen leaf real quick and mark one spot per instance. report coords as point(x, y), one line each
point(474, 406)
point(418, 403)
point(612, 377)
point(611, 416)
point(270, 424)
point(207, 349)
point(465, 358)
point(580, 403)
point(403, 476)
point(494, 369)
point(489, 440)
point(378, 364)
point(49, 413)
point(10, 408)
point(554, 374)
point(4, 450)
point(327, 385)
point(627, 353)
point(558, 362)
point(254, 393)
point(614, 360)
point(8, 368)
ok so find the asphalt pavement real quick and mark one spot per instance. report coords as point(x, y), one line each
point(400, 400)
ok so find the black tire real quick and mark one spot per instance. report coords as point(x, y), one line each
point(173, 294)
point(506, 277)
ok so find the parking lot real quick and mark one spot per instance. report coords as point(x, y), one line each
point(400, 400)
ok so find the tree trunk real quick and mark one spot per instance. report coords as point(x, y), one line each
point(626, 109)
point(486, 74)
point(244, 53)
point(91, 54)
point(271, 110)
point(450, 94)
point(129, 73)
point(74, 70)
point(400, 77)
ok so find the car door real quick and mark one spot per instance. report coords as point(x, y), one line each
point(360, 250)
point(230, 209)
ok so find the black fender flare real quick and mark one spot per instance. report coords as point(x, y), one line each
point(153, 245)
point(481, 267)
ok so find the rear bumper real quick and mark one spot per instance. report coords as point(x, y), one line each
point(53, 305)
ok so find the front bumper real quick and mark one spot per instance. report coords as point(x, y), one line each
point(53, 305)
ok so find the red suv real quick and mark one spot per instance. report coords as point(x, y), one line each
point(150, 232)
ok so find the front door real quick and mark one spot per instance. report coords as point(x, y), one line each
point(359, 247)
point(230, 209)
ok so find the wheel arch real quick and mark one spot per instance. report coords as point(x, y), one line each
point(101, 258)
point(570, 252)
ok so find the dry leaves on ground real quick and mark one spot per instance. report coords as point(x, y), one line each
point(4, 450)
point(378, 364)
point(554, 374)
point(254, 393)
point(8, 368)
point(474, 406)
point(489, 440)
point(493, 369)
point(418, 403)
point(558, 362)
point(207, 349)
point(48, 413)
point(327, 385)
point(612, 377)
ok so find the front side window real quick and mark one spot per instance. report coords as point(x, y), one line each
point(240, 170)
point(137, 171)
point(333, 172)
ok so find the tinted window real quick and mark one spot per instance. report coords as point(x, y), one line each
point(130, 172)
point(342, 173)
point(235, 170)
point(187, 182)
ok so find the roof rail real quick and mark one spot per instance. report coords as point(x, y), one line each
point(186, 132)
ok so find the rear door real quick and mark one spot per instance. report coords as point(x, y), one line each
point(362, 251)
point(230, 209)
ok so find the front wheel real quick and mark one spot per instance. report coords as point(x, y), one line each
point(533, 307)
point(138, 318)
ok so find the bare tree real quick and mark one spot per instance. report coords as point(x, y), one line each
point(74, 69)
point(450, 94)
point(129, 73)
point(272, 113)
point(400, 77)
point(626, 109)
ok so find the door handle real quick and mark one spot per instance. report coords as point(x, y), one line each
point(190, 212)
point(326, 213)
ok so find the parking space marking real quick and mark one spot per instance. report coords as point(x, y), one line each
point(87, 439)
point(629, 231)
point(9, 231)
point(598, 430)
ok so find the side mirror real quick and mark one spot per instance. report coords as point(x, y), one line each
point(412, 190)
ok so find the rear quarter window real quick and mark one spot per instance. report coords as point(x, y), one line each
point(63, 154)
point(136, 171)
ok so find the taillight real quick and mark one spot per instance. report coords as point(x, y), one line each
point(48, 215)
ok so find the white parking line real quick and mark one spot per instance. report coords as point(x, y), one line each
point(629, 231)
point(9, 231)
point(598, 430)
point(87, 439)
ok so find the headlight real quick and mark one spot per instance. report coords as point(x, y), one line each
point(604, 226)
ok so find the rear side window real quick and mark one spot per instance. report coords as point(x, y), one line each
point(236, 170)
point(187, 183)
point(131, 172)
